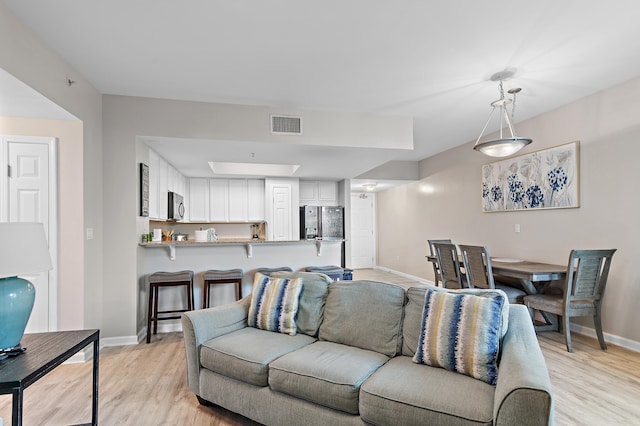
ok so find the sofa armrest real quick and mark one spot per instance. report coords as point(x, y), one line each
point(523, 391)
point(205, 324)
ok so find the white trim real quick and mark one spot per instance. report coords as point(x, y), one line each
point(623, 342)
point(118, 341)
point(412, 277)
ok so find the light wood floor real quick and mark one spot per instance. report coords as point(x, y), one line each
point(146, 384)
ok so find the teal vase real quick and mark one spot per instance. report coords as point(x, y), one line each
point(16, 302)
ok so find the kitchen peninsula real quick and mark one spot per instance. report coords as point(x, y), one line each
point(234, 248)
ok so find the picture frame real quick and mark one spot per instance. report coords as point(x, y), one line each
point(144, 190)
point(545, 179)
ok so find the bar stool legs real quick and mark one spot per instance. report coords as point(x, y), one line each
point(167, 279)
point(212, 277)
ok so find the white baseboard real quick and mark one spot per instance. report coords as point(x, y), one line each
point(411, 277)
point(623, 342)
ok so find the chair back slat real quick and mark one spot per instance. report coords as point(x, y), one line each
point(588, 271)
point(436, 269)
point(477, 266)
point(449, 265)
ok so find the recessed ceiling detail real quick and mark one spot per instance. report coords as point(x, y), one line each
point(253, 169)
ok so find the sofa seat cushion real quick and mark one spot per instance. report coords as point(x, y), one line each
point(402, 392)
point(245, 354)
point(325, 373)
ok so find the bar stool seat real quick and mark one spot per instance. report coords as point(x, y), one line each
point(336, 273)
point(213, 277)
point(269, 271)
point(167, 279)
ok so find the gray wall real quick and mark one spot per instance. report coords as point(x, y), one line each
point(446, 203)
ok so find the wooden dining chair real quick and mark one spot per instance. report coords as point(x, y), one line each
point(436, 269)
point(477, 268)
point(586, 281)
point(449, 265)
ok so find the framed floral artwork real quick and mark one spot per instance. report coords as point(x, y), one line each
point(545, 179)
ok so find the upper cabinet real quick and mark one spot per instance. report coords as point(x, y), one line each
point(226, 200)
point(163, 177)
point(318, 193)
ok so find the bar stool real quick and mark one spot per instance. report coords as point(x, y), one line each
point(269, 271)
point(229, 276)
point(167, 279)
point(336, 273)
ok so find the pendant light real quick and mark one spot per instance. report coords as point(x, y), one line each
point(503, 146)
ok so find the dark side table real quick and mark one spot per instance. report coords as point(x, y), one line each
point(45, 351)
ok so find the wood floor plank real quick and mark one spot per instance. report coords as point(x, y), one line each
point(146, 384)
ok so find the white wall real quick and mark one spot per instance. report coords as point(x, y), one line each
point(29, 59)
point(446, 203)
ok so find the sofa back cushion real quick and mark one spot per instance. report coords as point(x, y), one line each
point(364, 314)
point(312, 299)
point(411, 327)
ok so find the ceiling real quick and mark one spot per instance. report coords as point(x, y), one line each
point(431, 60)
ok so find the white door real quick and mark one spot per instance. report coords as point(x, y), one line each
point(282, 213)
point(31, 200)
point(362, 236)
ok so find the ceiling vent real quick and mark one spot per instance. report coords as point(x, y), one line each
point(286, 125)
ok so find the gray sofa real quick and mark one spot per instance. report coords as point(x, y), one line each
point(351, 363)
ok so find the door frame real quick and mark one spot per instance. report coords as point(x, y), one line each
point(52, 145)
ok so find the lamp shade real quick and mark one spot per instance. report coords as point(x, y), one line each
point(502, 147)
point(23, 249)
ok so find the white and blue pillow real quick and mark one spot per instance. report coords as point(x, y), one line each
point(461, 332)
point(274, 304)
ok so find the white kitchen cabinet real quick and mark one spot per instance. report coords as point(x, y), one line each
point(318, 193)
point(308, 192)
point(218, 200)
point(238, 200)
point(154, 175)
point(226, 200)
point(163, 188)
point(198, 201)
point(328, 192)
point(255, 199)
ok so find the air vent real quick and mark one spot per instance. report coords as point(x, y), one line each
point(286, 125)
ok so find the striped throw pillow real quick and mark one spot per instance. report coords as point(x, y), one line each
point(461, 332)
point(274, 304)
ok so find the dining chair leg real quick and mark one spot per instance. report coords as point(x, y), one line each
point(598, 326)
point(566, 331)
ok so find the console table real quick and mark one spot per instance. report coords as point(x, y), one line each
point(45, 351)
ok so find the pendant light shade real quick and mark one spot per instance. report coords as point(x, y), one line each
point(502, 146)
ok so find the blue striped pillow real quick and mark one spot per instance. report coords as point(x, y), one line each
point(274, 304)
point(461, 332)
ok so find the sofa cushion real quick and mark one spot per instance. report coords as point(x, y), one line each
point(461, 332)
point(364, 314)
point(325, 373)
point(245, 354)
point(412, 322)
point(274, 303)
point(404, 393)
point(312, 299)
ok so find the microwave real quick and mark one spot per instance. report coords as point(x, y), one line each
point(175, 209)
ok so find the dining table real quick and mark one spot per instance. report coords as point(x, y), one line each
point(534, 277)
